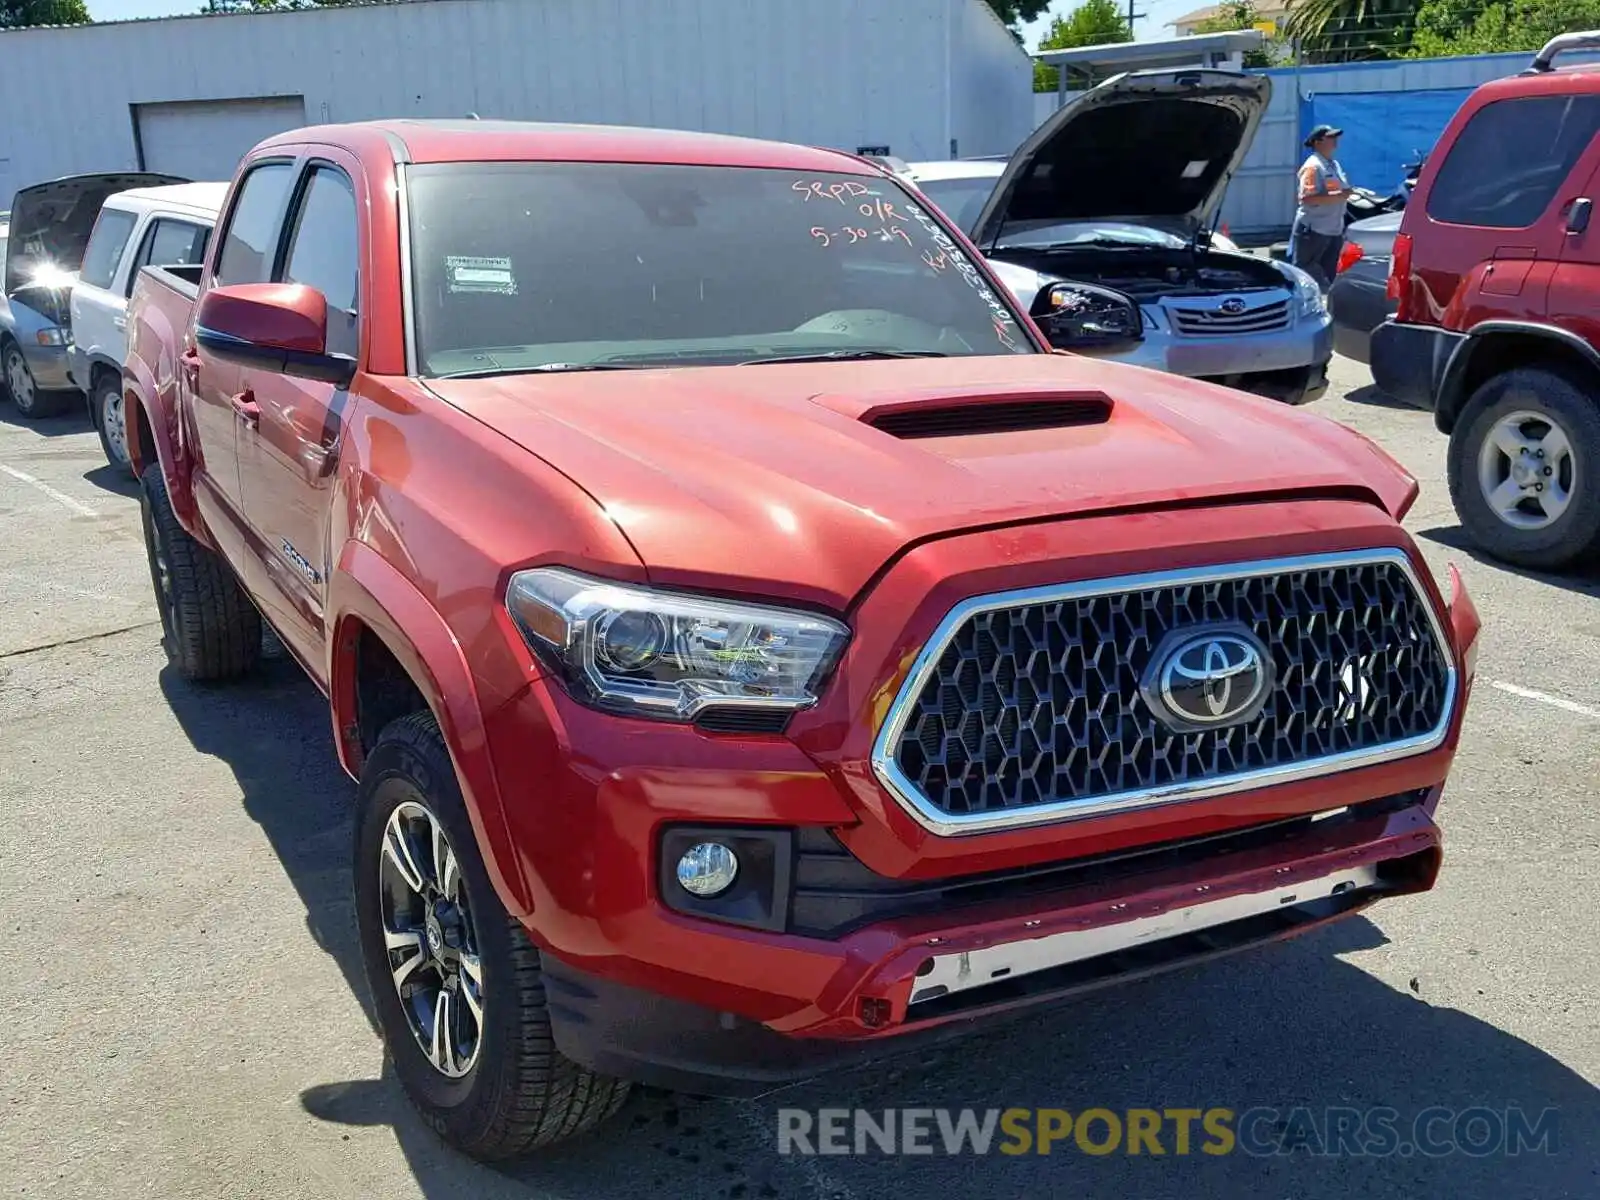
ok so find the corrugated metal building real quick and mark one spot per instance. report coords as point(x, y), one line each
point(189, 95)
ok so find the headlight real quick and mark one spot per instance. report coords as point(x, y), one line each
point(1310, 302)
point(51, 337)
point(668, 655)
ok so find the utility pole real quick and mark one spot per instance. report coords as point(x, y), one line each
point(1134, 16)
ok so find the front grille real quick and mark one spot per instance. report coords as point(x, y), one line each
point(1028, 706)
point(1213, 322)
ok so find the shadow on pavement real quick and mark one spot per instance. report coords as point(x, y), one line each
point(1374, 397)
point(113, 479)
point(1584, 580)
point(74, 420)
point(1291, 1025)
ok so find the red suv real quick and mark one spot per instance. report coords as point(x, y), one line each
point(1496, 272)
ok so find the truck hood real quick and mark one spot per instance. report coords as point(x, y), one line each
point(774, 480)
point(1147, 146)
point(51, 222)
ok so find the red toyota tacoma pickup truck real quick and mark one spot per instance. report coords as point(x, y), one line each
point(757, 651)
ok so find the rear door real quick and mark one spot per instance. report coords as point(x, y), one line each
point(1495, 210)
point(288, 454)
point(98, 306)
point(248, 234)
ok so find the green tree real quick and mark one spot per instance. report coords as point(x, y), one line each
point(1092, 23)
point(18, 14)
point(1451, 27)
point(1352, 30)
point(1241, 14)
point(1018, 12)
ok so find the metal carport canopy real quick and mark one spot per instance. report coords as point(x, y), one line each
point(1200, 50)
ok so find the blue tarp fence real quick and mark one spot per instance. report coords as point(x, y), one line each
point(1383, 131)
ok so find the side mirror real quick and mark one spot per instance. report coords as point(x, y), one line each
point(1081, 316)
point(273, 327)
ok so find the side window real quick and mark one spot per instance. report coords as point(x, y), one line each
point(169, 243)
point(1511, 159)
point(106, 243)
point(324, 253)
point(252, 229)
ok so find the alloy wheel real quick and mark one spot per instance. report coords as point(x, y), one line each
point(1526, 470)
point(430, 939)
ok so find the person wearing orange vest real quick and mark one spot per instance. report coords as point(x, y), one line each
point(1319, 218)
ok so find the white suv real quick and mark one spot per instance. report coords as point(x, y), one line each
point(156, 226)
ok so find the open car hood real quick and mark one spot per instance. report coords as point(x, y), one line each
point(51, 222)
point(1158, 146)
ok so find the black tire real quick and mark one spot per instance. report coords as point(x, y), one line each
point(1572, 404)
point(519, 1094)
point(210, 629)
point(31, 404)
point(105, 396)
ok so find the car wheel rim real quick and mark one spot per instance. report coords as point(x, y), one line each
point(112, 421)
point(19, 381)
point(1526, 470)
point(430, 942)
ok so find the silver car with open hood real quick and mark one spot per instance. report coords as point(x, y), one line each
point(1101, 224)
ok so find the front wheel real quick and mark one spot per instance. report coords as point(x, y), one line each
point(1525, 468)
point(455, 981)
point(30, 402)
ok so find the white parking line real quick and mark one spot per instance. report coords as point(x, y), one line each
point(1571, 706)
point(40, 485)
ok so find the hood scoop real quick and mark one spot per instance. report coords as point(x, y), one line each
point(989, 414)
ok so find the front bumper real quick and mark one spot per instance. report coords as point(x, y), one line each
point(50, 367)
point(643, 988)
point(1289, 365)
point(901, 987)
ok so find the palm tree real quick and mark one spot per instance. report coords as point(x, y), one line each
point(1351, 30)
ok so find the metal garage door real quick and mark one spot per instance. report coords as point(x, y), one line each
point(205, 139)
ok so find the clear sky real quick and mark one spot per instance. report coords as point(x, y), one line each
point(1150, 27)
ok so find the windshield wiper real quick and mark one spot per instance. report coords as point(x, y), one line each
point(844, 355)
point(542, 368)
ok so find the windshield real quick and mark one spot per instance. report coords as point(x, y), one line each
point(522, 266)
point(1087, 233)
point(959, 199)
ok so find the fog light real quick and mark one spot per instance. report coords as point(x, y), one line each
point(707, 869)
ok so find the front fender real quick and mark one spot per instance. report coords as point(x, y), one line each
point(367, 590)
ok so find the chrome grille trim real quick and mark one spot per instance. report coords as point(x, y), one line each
point(885, 747)
point(1213, 322)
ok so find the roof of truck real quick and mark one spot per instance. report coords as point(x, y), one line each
point(430, 141)
point(201, 197)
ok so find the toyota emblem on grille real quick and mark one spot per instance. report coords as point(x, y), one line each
point(1208, 678)
point(1233, 306)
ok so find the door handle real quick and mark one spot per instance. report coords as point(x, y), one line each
point(319, 461)
point(189, 365)
point(120, 322)
point(1578, 215)
point(244, 404)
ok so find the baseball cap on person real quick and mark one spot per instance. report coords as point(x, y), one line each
point(1320, 132)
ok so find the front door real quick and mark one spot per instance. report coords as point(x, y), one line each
point(289, 447)
point(244, 255)
point(1574, 303)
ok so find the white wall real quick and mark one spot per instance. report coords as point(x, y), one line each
point(838, 73)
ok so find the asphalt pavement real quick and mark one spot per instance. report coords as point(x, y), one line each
point(184, 1014)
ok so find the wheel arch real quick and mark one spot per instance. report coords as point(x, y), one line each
point(1498, 346)
point(379, 621)
point(153, 440)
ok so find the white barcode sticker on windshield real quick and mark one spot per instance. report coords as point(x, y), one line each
point(468, 274)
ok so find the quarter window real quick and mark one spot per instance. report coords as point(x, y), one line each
point(1511, 158)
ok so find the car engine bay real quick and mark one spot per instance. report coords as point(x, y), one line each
point(1147, 275)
